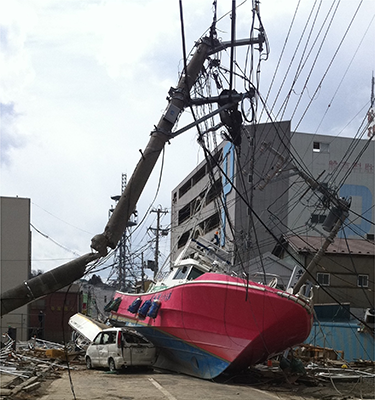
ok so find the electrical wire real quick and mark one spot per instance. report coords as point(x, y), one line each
point(54, 241)
point(330, 64)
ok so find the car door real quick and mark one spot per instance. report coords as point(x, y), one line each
point(93, 350)
point(141, 352)
point(126, 349)
point(107, 340)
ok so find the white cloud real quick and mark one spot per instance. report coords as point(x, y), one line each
point(16, 21)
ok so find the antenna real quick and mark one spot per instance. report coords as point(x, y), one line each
point(372, 90)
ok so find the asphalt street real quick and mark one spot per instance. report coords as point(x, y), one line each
point(100, 384)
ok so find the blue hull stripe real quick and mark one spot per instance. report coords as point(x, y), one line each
point(179, 356)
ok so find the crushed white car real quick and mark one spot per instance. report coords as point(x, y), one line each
point(116, 348)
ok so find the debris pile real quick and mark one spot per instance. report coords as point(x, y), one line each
point(25, 366)
point(311, 372)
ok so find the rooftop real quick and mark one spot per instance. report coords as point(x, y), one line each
point(339, 246)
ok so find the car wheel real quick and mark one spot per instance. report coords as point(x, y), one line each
point(111, 365)
point(88, 363)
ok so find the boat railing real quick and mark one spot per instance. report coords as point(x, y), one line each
point(306, 292)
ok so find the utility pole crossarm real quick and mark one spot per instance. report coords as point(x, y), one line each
point(242, 42)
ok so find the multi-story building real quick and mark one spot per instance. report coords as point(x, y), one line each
point(247, 198)
point(15, 255)
point(216, 197)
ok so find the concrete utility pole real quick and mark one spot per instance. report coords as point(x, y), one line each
point(179, 98)
point(318, 256)
point(159, 211)
point(49, 282)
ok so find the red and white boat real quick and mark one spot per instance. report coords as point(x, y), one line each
point(205, 321)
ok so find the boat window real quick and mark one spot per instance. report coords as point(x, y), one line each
point(181, 273)
point(194, 273)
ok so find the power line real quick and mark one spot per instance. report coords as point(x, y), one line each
point(54, 241)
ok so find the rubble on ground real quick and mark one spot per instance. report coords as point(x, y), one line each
point(24, 367)
point(312, 372)
point(309, 371)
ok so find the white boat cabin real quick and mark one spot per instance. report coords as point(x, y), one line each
point(197, 258)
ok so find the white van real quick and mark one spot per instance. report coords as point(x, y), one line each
point(115, 348)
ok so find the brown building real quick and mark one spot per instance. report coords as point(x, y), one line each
point(49, 316)
point(345, 274)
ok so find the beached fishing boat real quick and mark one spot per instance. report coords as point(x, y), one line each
point(205, 321)
point(203, 318)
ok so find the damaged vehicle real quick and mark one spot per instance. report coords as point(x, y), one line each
point(117, 348)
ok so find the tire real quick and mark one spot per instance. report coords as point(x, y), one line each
point(111, 365)
point(88, 363)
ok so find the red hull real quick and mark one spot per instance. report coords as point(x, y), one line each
point(223, 316)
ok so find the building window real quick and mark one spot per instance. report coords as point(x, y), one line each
point(316, 146)
point(183, 239)
point(323, 279)
point(199, 175)
point(211, 223)
point(184, 214)
point(362, 281)
point(184, 188)
point(320, 147)
point(214, 191)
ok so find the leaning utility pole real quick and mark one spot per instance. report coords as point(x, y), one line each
point(339, 214)
point(179, 99)
point(162, 133)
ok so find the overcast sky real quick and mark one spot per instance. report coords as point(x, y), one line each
point(84, 82)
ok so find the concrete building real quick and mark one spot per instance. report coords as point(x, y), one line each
point(216, 196)
point(95, 296)
point(262, 174)
point(15, 256)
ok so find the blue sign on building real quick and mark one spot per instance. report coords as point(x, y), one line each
point(361, 224)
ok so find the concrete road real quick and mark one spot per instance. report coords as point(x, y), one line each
point(99, 384)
